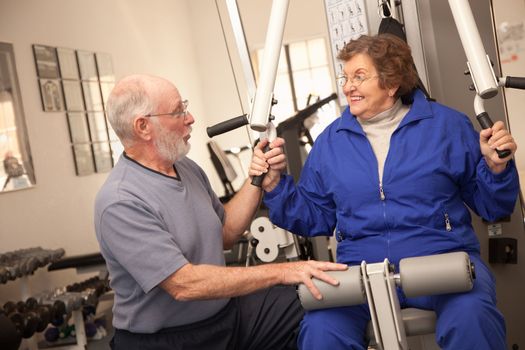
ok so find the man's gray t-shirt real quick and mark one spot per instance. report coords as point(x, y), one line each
point(148, 226)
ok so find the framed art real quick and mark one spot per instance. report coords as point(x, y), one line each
point(111, 133)
point(104, 67)
point(51, 93)
point(105, 89)
point(73, 95)
point(103, 158)
point(78, 127)
point(97, 126)
point(14, 140)
point(92, 97)
point(67, 62)
point(87, 65)
point(83, 155)
point(46, 62)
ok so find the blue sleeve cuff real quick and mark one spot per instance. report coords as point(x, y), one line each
point(278, 189)
point(506, 175)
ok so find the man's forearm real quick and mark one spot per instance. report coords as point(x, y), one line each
point(200, 282)
point(240, 211)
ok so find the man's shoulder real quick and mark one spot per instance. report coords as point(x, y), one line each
point(119, 185)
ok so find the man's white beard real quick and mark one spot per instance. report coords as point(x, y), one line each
point(170, 145)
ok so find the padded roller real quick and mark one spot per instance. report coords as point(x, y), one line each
point(436, 274)
point(350, 290)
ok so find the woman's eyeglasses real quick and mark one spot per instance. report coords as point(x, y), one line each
point(356, 81)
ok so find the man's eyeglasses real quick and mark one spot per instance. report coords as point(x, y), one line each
point(356, 81)
point(174, 114)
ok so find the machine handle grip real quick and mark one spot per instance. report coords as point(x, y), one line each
point(485, 122)
point(257, 180)
point(515, 82)
point(227, 125)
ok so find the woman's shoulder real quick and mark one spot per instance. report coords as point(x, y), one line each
point(448, 114)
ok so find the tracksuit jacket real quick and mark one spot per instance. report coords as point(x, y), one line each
point(433, 171)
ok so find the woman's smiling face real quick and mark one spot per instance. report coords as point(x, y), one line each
point(368, 98)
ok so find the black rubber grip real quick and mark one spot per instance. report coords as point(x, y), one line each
point(257, 180)
point(226, 126)
point(485, 122)
point(515, 82)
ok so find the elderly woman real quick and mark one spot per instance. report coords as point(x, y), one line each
point(394, 177)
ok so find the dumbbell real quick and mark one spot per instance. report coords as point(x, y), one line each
point(90, 289)
point(25, 321)
point(52, 334)
point(3, 274)
point(10, 338)
point(56, 309)
point(43, 313)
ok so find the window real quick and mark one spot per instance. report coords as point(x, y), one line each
point(303, 76)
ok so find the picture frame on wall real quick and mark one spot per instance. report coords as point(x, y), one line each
point(87, 65)
point(51, 94)
point(78, 127)
point(67, 61)
point(73, 95)
point(97, 126)
point(83, 155)
point(104, 67)
point(14, 137)
point(112, 134)
point(105, 90)
point(92, 96)
point(46, 61)
point(103, 158)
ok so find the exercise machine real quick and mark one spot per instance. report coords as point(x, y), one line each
point(376, 284)
point(484, 80)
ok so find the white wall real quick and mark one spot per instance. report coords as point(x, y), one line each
point(141, 36)
point(179, 39)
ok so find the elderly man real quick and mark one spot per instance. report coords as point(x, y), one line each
point(162, 231)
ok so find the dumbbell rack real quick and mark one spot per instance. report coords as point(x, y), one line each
point(83, 264)
point(20, 264)
point(80, 335)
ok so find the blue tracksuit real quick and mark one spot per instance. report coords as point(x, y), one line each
point(433, 168)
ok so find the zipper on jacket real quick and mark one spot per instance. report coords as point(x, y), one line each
point(381, 192)
point(448, 226)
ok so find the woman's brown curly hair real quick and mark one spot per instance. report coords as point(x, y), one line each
point(392, 59)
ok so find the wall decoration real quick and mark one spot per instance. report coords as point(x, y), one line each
point(92, 97)
point(97, 126)
point(73, 95)
point(78, 127)
point(83, 159)
point(103, 158)
point(68, 65)
point(17, 171)
point(87, 65)
point(46, 62)
point(105, 89)
point(104, 67)
point(79, 82)
point(51, 93)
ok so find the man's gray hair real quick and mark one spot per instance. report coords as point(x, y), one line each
point(129, 98)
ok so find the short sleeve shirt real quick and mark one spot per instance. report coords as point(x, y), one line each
point(148, 226)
